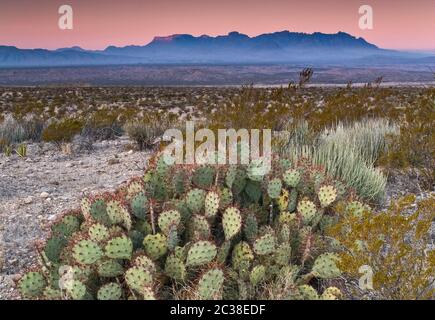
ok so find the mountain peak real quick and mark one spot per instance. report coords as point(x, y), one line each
point(235, 47)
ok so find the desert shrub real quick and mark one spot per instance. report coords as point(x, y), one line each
point(195, 232)
point(249, 109)
point(102, 125)
point(394, 243)
point(415, 146)
point(146, 131)
point(62, 131)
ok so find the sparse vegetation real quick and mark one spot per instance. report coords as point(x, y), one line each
point(348, 141)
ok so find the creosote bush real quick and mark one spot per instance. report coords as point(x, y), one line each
point(62, 131)
point(395, 244)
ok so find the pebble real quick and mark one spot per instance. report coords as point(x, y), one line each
point(28, 200)
point(44, 195)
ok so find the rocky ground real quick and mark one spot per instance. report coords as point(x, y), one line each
point(33, 191)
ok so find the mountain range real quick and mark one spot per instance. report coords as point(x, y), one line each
point(234, 48)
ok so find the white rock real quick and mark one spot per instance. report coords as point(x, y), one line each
point(28, 200)
point(44, 195)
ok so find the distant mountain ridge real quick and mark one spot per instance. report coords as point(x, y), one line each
point(235, 47)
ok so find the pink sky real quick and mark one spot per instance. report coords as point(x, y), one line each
point(398, 24)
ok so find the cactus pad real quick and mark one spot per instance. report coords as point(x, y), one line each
point(292, 178)
point(325, 266)
point(110, 291)
point(32, 284)
point(226, 198)
point(307, 210)
point(265, 244)
point(210, 284)
point(139, 205)
point(109, 268)
point(231, 222)
point(137, 278)
point(98, 232)
point(75, 289)
point(242, 256)
point(331, 293)
point(274, 188)
point(307, 292)
point(168, 219)
point(155, 245)
point(283, 200)
point(87, 252)
point(119, 248)
point(118, 214)
point(175, 268)
point(327, 195)
point(195, 200)
point(98, 212)
point(145, 262)
point(199, 228)
point(211, 204)
point(201, 252)
point(257, 275)
point(203, 177)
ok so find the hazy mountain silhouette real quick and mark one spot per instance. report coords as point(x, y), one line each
point(279, 47)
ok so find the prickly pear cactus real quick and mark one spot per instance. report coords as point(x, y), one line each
point(139, 205)
point(210, 284)
point(331, 293)
point(137, 278)
point(211, 204)
point(86, 252)
point(119, 248)
point(265, 244)
point(292, 178)
point(327, 195)
point(98, 232)
point(258, 274)
point(325, 266)
point(32, 284)
point(110, 291)
point(168, 219)
point(274, 188)
point(204, 232)
point(195, 200)
point(231, 222)
point(155, 245)
point(175, 268)
point(308, 210)
point(201, 252)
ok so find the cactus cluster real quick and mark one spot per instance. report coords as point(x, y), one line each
point(217, 232)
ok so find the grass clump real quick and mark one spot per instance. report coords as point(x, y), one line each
point(146, 131)
point(347, 152)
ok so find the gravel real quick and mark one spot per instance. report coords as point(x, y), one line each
point(35, 190)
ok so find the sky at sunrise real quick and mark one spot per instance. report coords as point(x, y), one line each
point(398, 24)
